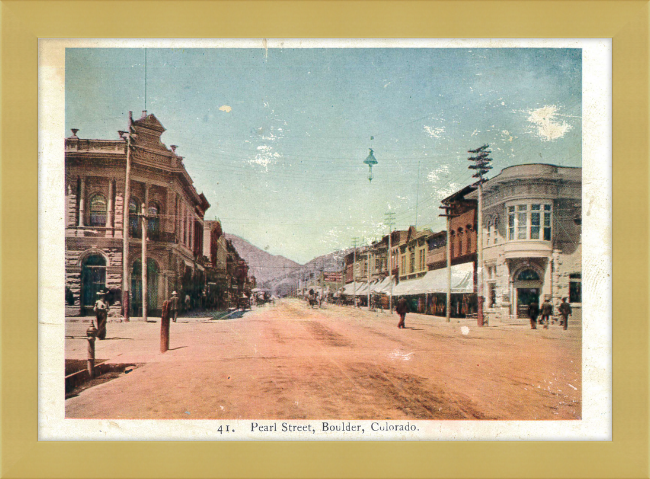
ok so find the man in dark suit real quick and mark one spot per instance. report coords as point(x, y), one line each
point(533, 312)
point(401, 308)
point(565, 311)
point(547, 311)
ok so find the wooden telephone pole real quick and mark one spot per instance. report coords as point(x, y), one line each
point(449, 216)
point(481, 164)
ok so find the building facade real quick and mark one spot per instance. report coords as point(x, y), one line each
point(532, 246)
point(96, 210)
point(413, 253)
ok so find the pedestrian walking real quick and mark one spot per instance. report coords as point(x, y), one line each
point(547, 312)
point(402, 308)
point(174, 306)
point(101, 314)
point(533, 312)
point(565, 311)
point(187, 302)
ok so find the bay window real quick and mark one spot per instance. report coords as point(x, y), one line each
point(529, 221)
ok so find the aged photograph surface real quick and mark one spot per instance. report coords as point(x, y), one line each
point(323, 240)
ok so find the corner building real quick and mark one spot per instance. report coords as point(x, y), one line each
point(95, 179)
point(532, 246)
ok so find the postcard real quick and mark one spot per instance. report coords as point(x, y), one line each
point(285, 239)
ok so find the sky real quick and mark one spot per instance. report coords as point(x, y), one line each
point(275, 138)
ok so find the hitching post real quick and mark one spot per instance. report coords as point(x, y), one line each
point(90, 333)
point(164, 327)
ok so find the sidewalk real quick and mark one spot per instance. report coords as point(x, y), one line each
point(135, 341)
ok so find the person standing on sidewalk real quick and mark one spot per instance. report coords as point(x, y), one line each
point(547, 311)
point(174, 306)
point(565, 311)
point(401, 308)
point(101, 314)
point(533, 312)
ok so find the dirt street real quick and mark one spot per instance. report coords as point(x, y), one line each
point(290, 362)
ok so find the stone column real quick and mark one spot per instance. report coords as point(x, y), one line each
point(191, 231)
point(82, 199)
point(68, 196)
point(183, 222)
point(548, 279)
point(110, 213)
point(146, 198)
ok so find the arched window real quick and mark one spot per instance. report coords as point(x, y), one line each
point(528, 275)
point(135, 227)
point(153, 230)
point(97, 210)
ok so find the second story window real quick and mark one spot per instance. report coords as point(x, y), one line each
point(135, 226)
point(530, 221)
point(98, 210)
point(412, 258)
point(153, 225)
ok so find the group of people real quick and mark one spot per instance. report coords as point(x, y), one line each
point(546, 311)
point(401, 308)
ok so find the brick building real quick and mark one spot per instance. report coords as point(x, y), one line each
point(95, 178)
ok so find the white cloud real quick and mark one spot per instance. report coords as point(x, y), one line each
point(225, 108)
point(434, 132)
point(506, 134)
point(548, 126)
point(435, 175)
point(265, 157)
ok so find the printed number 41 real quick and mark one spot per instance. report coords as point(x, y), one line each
point(221, 430)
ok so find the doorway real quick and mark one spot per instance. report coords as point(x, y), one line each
point(136, 287)
point(93, 280)
point(525, 296)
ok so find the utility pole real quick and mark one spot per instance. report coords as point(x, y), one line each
point(417, 197)
point(129, 136)
point(144, 262)
point(369, 259)
point(449, 216)
point(354, 269)
point(390, 221)
point(481, 164)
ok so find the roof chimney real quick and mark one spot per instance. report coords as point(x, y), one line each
point(144, 113)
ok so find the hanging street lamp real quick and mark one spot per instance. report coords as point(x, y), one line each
point(371, 160)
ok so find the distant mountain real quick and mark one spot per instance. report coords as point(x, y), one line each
point(264, 266)
point(308, 273)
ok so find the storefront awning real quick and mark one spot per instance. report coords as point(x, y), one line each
point(436, 282)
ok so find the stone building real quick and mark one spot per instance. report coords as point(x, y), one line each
point(95, 179)
point(532, 247)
